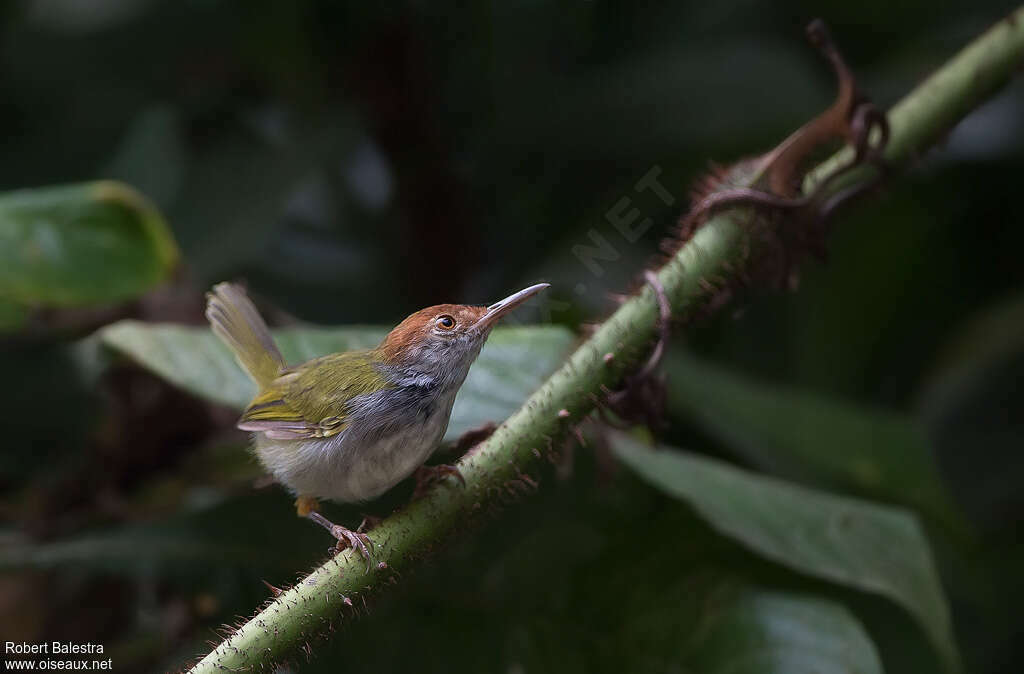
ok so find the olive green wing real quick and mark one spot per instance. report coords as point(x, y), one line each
point(311, 400)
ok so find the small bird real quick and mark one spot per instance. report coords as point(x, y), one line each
point(349, 426)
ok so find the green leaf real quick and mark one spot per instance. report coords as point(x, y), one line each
point(81, 244)
point(513, 363)
point(853, 543)
point(872, 452)
point(151, 155)
point(969, 408)
point(210, 530)
point(748, 630)
point(706, 622)
point(12, 315)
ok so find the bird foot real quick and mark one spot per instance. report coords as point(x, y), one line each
point(352, 539)
point(346, 537)
point(428, 475)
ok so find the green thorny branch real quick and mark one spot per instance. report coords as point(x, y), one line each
point(703, 263)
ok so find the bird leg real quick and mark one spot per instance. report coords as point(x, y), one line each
point(307, 506)
point(346, 537)
point(428, 475)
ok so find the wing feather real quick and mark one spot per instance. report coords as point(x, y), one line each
point(312, 400)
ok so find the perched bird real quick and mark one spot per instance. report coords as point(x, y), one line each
point(349, 426)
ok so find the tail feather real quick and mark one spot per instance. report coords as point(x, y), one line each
point(235, 320)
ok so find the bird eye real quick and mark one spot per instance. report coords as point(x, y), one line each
point(445, 322)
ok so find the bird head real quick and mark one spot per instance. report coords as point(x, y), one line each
point(445, 339)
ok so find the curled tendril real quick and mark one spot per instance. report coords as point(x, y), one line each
point(853, 117)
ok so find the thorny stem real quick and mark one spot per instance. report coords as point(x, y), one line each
point(498, 468)
point(926, 115)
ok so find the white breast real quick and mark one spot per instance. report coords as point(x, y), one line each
point(348, 467)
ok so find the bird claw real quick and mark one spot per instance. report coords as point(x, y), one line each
point(346, 537)
point(352, 539)
point(428, 475)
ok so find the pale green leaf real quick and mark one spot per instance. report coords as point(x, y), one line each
point(81, 244)
point(812, 438)
point(746, 630)
point(12, 315)
point(971, 404)
point(854, 543)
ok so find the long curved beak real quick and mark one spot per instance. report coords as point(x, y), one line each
point(499, 309)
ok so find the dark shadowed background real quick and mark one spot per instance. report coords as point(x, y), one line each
point(353, 162)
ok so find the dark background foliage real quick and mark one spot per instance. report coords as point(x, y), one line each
point(353, 162)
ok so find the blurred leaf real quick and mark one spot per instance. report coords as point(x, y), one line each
point(193, 359)
point(152, 155)
point(972, 406)
point(699, 621)
point(513, 363)
point(812, 438)
point(45, 380)
point(995, 335)
point(75, 18)
point(210, 532)
point(747, 630)
point(853, 543)
point(12, 315)
point(81, 244)
point(242, 179)
point(636, 94)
